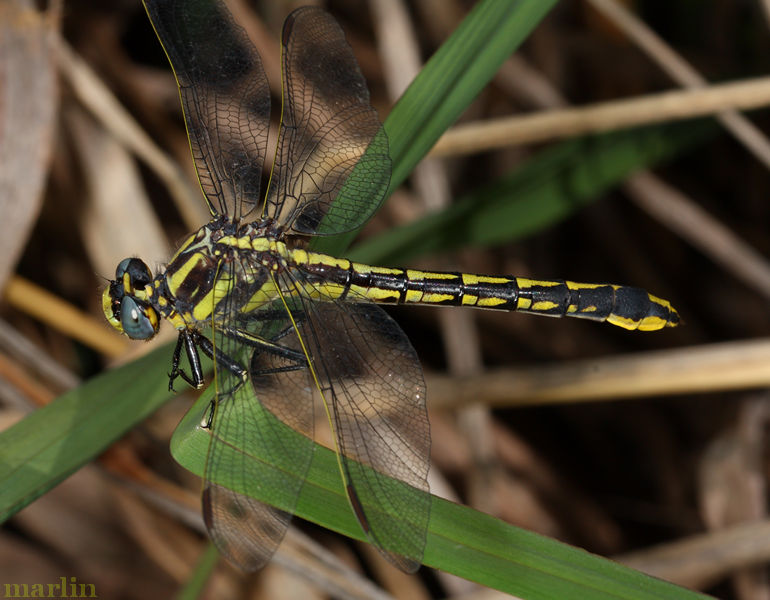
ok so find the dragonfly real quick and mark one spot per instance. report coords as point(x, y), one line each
point(289, 329)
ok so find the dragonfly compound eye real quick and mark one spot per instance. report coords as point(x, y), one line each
point(139, 274)
point(138, 320)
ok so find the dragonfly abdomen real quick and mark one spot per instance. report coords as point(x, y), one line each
point(627, 307)
point(624, 306)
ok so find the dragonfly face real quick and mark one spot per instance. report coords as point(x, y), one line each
point(125, 302)
point(287, 327)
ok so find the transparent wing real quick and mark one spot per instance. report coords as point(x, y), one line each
point(332, 165)
point(248, 445)
point(244, 530)
point(372, 383)
point(225, 97)
point(366, 371)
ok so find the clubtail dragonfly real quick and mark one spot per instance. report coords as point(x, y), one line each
point(285, 325)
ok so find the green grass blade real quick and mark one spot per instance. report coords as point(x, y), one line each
point(448, 83)
point(45, 447)
point(549, 188)
point(196, 585)
point(455, 75)
point(461, 540)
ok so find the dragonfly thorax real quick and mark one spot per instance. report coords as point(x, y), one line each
point(219, 271)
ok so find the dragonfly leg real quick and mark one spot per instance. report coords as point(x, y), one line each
point(300, 362)
point(187, 340)
point(264, 345)
point(285, 369)
point(224, 361)
point(192, 340)
point(220, 357)
point(209, 420)
point(272, 314)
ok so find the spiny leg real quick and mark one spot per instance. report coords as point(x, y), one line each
point(262, 344)
point(191, 340)
point(187, 340)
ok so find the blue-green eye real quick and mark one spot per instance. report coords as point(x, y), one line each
point(140, 322)
point(139, 273)
point(122, 268)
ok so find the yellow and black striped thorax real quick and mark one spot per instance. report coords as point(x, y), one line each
point(219, 272)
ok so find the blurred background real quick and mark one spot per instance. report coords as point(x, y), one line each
point(649, 448)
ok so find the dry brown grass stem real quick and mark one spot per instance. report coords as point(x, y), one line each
point(706, 368)
point(681, 72)
point(606, 116)
point(101, 102)
point(62, 316)
point(702, 560)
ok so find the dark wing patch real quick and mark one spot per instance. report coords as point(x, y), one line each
point(225, 97)
point(332, 166)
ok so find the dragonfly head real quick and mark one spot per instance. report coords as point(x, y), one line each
point(125, 301)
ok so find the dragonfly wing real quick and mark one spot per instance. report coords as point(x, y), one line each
point(225, 97)
point(332, 166)
point(372, 384)
point(252, 419)
point(243, 529)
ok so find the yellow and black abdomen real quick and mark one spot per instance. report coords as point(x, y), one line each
point(627, 307)
point(624, 306)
